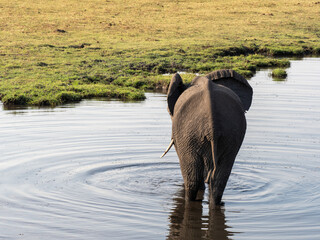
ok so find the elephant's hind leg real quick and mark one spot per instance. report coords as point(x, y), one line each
point(195, 190)
point(221, 175)
point(192, 168)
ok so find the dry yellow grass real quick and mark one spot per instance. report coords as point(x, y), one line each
point(153, 23)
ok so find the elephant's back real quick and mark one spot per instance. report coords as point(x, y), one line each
point(192, 121)
point(207, 111)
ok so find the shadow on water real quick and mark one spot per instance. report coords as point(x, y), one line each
point(16, 108)
point(188, 220)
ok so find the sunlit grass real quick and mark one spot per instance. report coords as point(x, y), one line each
point(52, 52)
point(279, 73)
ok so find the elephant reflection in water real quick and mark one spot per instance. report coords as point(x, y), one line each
point(188, 222)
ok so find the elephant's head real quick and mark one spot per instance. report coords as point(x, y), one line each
point(227, 78)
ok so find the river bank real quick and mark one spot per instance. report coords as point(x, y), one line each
point(59, 52)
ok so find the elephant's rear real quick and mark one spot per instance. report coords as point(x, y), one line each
point(230, 128)
point(192, 123)
point(208, 127)
point(205, 112)
point(229, 119)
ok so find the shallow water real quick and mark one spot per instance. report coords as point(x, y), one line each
point(92, 170)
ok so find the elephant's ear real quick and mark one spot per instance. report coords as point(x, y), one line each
point(235, 82)
point(176, 87)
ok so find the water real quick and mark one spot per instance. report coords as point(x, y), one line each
point(92, 170)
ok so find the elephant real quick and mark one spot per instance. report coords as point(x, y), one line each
point(208, 128)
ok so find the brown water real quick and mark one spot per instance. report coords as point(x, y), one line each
point(92, 170)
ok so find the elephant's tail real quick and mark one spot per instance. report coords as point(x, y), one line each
point(214, 160)
point(170, 145)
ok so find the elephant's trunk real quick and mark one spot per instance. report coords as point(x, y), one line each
point(170, 145)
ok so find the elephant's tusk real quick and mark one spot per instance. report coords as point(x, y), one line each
point(170, 145)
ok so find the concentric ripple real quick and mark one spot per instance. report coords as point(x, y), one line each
point(136, 179)
point(92, 170)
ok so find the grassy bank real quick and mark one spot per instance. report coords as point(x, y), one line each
point(55, 52)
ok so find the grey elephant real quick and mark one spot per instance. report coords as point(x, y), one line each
point(208, 127)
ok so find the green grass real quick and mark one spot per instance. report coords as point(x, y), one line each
point(279, 73)
point(55, 52)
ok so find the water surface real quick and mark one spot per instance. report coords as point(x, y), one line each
point(92, 170)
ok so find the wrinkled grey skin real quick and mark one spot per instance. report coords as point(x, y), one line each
point(208, 127)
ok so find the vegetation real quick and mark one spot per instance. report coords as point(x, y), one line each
point(279, 73)
point(52, 52)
